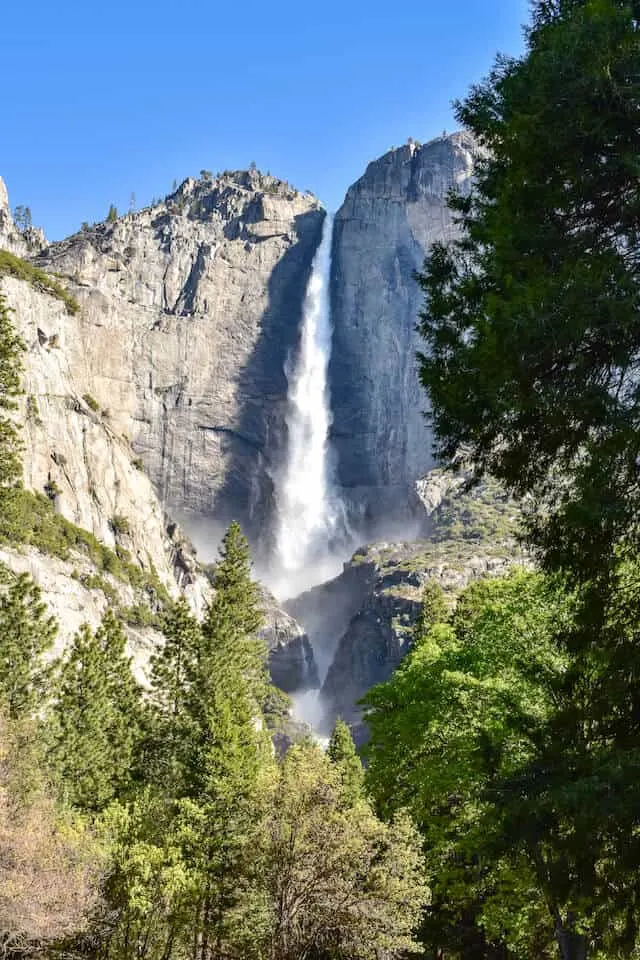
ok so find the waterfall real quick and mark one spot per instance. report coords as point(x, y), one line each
point(310, 519)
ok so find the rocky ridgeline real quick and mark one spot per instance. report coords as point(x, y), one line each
point(188, 311)
point(20, 242)
point(165, 392)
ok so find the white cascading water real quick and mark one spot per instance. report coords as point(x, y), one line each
point(310, 518)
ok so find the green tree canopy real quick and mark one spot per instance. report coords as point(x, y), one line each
point(230, 641)
point(465, 711)
point(11, 348)
point(95, 717)
point(532, 336)
point(27, 632)
point(339, 882)
point(342, 753)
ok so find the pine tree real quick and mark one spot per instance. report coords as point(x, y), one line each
point(207, 687)
point(95, 718)
point(225, 814)
point(233, 584)
point(11, 347)
point(342, 753)
point(169, 727)
point(173, 664)
point(532, 338)
point(433, 609)
point(26, 633)
point(22, 218)
point(233, 618)
point(531, 317)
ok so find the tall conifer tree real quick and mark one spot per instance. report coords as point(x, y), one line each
point(342, 753)
point(26, 633)
point(96, 716)
point(11, 348)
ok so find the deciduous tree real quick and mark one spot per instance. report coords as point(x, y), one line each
point(339, 882)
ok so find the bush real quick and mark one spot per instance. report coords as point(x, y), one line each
point(52, 489)
point(91, 402)
point(13, 266)
point(33, 412)
point(119, 525)
point(29, 518)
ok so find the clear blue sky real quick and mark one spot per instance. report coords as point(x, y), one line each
point(105, 99)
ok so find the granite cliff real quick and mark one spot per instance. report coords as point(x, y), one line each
point(79, 415)
point(189, 309)
point(164, 395)
point(187, 312)
point(382, 232)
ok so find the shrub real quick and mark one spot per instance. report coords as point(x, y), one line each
point(119, 525)
point(52, 489)
point(13, 266)
point(29, 518)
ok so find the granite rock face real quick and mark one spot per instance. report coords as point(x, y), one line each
point(69, 598)
point(364, 618)
point(76, 453)
point(166, 393)
point(87, 395)
point(292, 665)
point(188, 311)
point(388, 220)
point(379, 635)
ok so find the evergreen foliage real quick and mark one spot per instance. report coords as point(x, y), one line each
point(30, 518)
point(11, 348)
point(341, 751)
point(95, 718)
point(172, 670)
point(339, 882)
point(195, 822)
point(14, 266)
point(233, 618)
point(531, 329)
point(530, 319)
point(26, 634)
point(22, 218)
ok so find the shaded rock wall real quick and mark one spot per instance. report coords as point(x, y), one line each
point(388, 220)
point(364, 619)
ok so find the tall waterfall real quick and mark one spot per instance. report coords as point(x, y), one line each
point(309, 515)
